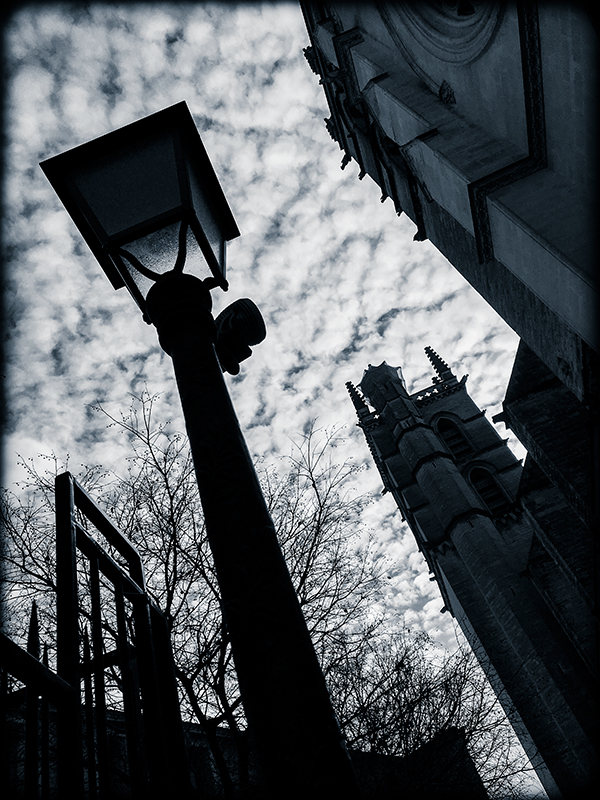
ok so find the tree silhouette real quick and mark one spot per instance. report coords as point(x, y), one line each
point(393, 690)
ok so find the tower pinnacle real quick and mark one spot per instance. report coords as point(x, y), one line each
point(359, 404)
point(442, 369)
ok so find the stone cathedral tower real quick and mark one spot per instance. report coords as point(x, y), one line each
point(518, 583)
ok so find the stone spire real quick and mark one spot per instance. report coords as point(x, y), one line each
point(442, 369)
point(361, 407)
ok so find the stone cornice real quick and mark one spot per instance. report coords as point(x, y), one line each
point(436, 391)
point(479, 190)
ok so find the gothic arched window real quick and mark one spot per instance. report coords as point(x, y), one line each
point(486, 487)
point(454, 439)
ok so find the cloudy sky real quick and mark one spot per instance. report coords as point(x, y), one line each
point(336, 274)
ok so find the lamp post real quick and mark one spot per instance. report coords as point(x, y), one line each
point(148, 203)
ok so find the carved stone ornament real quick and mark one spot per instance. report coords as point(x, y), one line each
point(311, 57)
point(330, 125)
point(446, 94)
point(453, 32)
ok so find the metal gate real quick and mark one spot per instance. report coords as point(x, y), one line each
point(70, 737)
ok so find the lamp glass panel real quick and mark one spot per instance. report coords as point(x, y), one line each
point(206, 217)
point(158, 252)
point(132, 184)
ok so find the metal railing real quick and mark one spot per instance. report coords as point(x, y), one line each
point(68, 749)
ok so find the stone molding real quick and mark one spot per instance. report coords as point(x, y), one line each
point(479, 190)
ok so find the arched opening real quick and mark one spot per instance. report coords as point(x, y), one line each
point(486, 487)
point(454, 439)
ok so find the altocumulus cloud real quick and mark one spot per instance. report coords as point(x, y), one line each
point(336, 274)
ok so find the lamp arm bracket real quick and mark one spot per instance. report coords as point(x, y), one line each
point(135, 262)
point(179, 261)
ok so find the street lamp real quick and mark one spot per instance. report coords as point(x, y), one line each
point(148, 203)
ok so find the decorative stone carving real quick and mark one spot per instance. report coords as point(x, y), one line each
point(311, 57)
point(453, 32)
point(330, 125)
point(446, 94)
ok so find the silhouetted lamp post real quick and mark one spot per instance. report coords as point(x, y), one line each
point(148, 203)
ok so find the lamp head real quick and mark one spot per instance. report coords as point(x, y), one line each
point(147, 201)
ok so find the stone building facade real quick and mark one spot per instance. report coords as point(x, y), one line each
point(479, 121)
point(513, 561)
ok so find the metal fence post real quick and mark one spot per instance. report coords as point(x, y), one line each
point(69, 744)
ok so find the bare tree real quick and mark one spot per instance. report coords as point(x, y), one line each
point(397, 691)
point(390, 689)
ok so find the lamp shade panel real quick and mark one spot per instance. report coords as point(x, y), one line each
point(130, 188)
point(122, 189)
point(206, 218)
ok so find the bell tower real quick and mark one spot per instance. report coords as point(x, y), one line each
point(472, 508)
